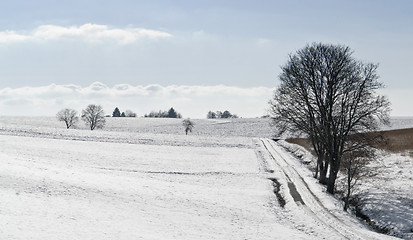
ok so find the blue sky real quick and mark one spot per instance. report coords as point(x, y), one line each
point(242, 44)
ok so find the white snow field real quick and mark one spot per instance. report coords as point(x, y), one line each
point(144, 179)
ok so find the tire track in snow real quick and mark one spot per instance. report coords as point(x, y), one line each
point(176, 172)
point(309, 202)
point(294, 192)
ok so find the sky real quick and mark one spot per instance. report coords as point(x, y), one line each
point(193, 55)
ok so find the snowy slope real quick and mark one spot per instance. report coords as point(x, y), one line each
point(67, 189)
point(131, 182)
point(386, 196)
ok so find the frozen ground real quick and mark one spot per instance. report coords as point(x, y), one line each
point(144, 179)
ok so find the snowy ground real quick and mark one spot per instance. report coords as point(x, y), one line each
point(144, 179)
point(386, 197)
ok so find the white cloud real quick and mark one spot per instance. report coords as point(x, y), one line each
point(191, 101)
point(87, 32)
point(11, 36)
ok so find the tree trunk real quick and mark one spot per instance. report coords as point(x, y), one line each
point(331, 183)
point(316, 168)
point(323, 171)
point(323, 176)
point(347, 198)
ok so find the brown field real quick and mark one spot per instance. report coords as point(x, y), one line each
point(396, 141)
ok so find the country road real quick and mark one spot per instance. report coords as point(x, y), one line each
point(312, 202)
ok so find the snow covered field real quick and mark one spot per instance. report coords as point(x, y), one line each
point(144, 179)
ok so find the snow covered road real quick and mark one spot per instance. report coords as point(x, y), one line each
point(313, 202)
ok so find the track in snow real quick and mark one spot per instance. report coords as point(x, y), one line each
point(308, 201)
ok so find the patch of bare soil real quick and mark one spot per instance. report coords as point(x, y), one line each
point(395, 141)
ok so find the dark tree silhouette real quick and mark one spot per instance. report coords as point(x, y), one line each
point(226, 114)
point(172, 113)
point(329, 96)
point(116, 112)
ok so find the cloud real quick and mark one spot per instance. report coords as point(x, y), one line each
point(191, 101)
point(87, 32)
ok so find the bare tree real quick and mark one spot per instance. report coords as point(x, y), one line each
point(69, 116)
point(354, 166)
point(94, 116)
point(329, 96)
point(188, 124)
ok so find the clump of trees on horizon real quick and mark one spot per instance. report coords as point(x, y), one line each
point(219, 114)
point(171, 113)
point(93, 116)
point(127, 113)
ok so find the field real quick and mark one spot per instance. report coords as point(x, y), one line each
point(144, 179)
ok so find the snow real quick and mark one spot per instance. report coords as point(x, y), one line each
point(386, 197)
point(144, 179)
point(317, 206)
point(71, 189)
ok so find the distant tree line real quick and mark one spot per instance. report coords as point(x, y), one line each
point(171, 113)
point(127, 113)
point(219, 114)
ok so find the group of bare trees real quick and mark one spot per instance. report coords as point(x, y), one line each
point(171, 113)
point(219, 114)
point(331, 98)
point(93, 116)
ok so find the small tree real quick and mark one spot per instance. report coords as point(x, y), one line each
point(188, 125)
point(354, 166)
point(123, 114)
point(116, 112)
point(94, 116)
point(69, 116)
